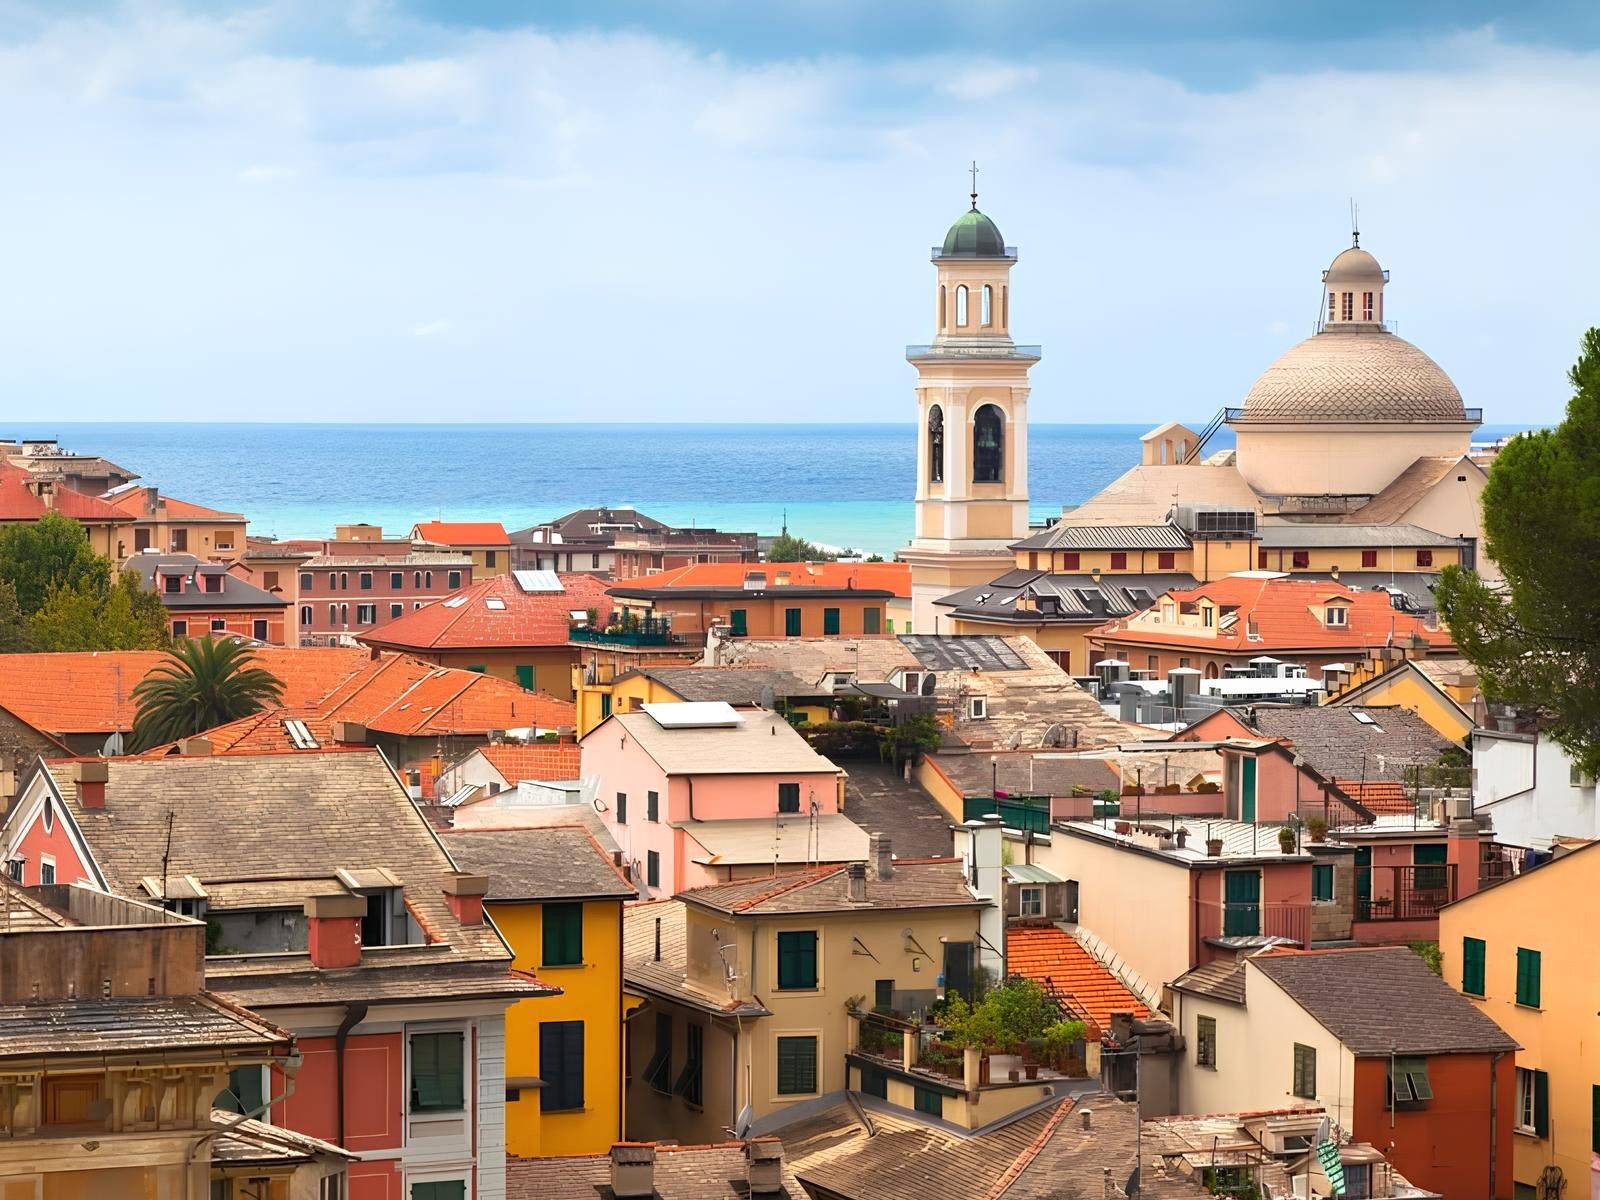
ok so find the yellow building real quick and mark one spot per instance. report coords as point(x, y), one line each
point(1442, 691)
point(556, 897)
point(1525, 953)
point(485, 542)
point(169, 525)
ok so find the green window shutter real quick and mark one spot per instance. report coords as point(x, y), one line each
point(797, 1066)
point(797, 960)
point(561, 1065)
point(563, 934)
point(1473, 958)
point(874, 1083)
point(872, 620)
point(689, 1080)
point(1241, 915)
point(1247, 795)
point(525, 677)
point(652, 806)
point(1322, 881)
point(930, 1102)
point(652, 865)
point(244, 1092)
point(830, 620)
point(1205, 1041)
point(1541, 1103)
point(1528, 977)
point(449, 1189)
point(658, 1072)
point(788, 797)
point(438, 1072)
point(478, 670)
point(791, 622)
point(740, 618)
point(605, 705)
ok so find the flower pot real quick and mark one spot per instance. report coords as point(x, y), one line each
point(1013, 1075)
point(1214, 848)
point(1124, 827)
point(1181, 838)
point(1032, 1070)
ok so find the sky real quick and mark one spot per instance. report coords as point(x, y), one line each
point(712, 210)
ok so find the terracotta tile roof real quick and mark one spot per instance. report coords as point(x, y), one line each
point(890, 577)
point(462, 533)
point(1286, 613)
point(18, 503)
point(133, 503)
point(1379, 795)
point(1382, 1000)
point(1053, 958)
point(466, 619)
point(516, 763)
point(561, 862)
point(935, 883)
point(718, 1172)
point(91, 691)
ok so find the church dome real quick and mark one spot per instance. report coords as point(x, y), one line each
point(1353, 373)
point(1354, 266)
point(973, 236)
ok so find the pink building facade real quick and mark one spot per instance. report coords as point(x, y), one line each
point(343, 595)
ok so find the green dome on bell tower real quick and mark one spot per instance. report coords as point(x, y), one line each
point(973, 236)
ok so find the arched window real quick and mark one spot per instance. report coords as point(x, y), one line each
point(344, 614)
point(333, 614)
point(344, 581)
point(943, 296)
point(305, 614)
point(986, 309)
point(936, 445)
point(988, 445)
point(428, 579)
point(961, 307)
point(416, 579)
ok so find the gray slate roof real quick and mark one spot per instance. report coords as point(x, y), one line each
point(559, 863)
point(127, 1025)
point(1382, 1001)
point(1079, 598)
point(732, 685)
point(1064, 535)
point(234, 593)
point(1333, 740)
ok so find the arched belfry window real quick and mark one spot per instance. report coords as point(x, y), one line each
point(943, 319)
point(961, 306)
point(936, 445)
point(988, 445)
point(986, 311)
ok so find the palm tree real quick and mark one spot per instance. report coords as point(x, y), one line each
point(205, 682)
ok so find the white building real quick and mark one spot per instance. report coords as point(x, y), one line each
point(1531, 788)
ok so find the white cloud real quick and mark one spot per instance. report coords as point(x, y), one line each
point(985, 83)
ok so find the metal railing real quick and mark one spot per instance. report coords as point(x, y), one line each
point(1404, 892)
point(978, 352)
point(649, 635)
point(1214, 919)
point(1010, 253)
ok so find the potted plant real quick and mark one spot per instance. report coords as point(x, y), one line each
point(1124, 827)
point(1286, 840)
point(1032, 1053)
point(1317, 827)
point(1213, 847)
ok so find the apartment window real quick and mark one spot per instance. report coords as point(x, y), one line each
point(180, 539)
point(1208, 616)
point(689, 1084)
point(563, 934)
point(594, 563)
point(1205, 1041)
point(213, 583)
point(1527, 978)
point(883, 995)
point(797, 960)
point(1300, 559)
point(333, 614)
point(622, 808)
point(929, 1101)
point(488, 558)
point(427, 579)
point(871, 620)
point(366, 614)
point(652, 869)
point(344, 614)
point(1408, 1083)
point(791, 622)
point(1424, 558)
point(172, 584)
point(1153, 662)
point(797, 1066)
point(1069, 562)
point(1474, 955)
point(1183, 662)
point(978, 708)
point(305, 614)
point(258, 630)
point(561, 1065)
point(652, 806)
point(1166, 560)
point(524, 673)
point(305, 581)
point(1261, 560)
point(395, 610)
point(440, 1189)
point(47, 870)
point(1031, 902)
point(219, 625)
point(1322, 883)
point(658, 1071)
point(438, 1075)
point(14, 870)
point(830, 620)
point(1594, 1119)
point(1369, 558)
point(416, 579)
point(455, 579)
point(1366, 306)
point(788, 797)
point(365, 581)
point(1533, 1102)
point(1347, 305)
point(329, 1187)
point(344, 581)
point(1338, 616)
point(1119, 561)
point(397, 580)
point(1305, 1072)
point(246, 1091)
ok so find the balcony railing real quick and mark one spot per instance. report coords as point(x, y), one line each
point(980, 351)
point(1404, 893)
point(646, 635)
point(1216, 919)
point(1010, 252)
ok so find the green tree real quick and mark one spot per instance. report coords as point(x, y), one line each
point(52, 552)
point(205, 682)
point(786, 547)
point(15, 636)
point(1535, 640)
point(82, 617)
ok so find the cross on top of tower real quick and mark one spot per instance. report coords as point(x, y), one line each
point(974, 172)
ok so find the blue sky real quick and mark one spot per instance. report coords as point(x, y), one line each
point(480, 210)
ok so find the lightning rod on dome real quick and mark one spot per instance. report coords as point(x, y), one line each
point(974, 172)
point(1355, 224)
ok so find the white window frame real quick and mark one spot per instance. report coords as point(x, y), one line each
point(47, 860)
point(1031, 902)
point(468, 1109)
point(366, 614)
point(219, 625)
point(977, 708)
point(1338, 616)
point(1525, 1097)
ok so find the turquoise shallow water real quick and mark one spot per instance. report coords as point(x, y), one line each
point(843, 485)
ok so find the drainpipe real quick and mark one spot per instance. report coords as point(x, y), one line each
point(1494, 1108)
point(354, 1013)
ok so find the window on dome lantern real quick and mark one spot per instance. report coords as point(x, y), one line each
point(1366, 306)
point(936, 444)
point(1005, 306)
point(986, 309)
point(1347, 306)
point(988, 457)
point(943, 297)
point(961, 306)
point(1333, 304)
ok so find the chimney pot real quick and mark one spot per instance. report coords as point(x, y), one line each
point(89, 777)
point(350, 733)
point(464, 893)
point(1088, 1118)
point(633, 1170)
point(196, 745)
point(882, 855)
point(856, 878)
point(333, 938)
point(764, 1161)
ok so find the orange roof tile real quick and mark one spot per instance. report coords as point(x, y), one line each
point(888, 576)
point(463, 533)
point(1379, 795)
point(131, 502)
point(516, 763)
point(467, 620)
point(18, 503)
point(1054, 959)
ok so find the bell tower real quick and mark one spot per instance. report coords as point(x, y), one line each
point(972, 420)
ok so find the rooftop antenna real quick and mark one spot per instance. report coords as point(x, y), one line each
point(974, 173)
point(1355, 224)
point(166, 857)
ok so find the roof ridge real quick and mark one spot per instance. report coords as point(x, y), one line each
point(1031, 1151)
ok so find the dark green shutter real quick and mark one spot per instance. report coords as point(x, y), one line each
point(1247, 791)
point(1528, 977)
point(561, 1065)
point(652, 869)
point(739, 617)
point(797, 960)
point(788, 797)
point(791, 622)
point(830, 620)
point(797, 1066)
point(1541, 1103)
point(1242, 909)
point(525, 677)
point(438, 1082)
point(874, 1083)
point(1594, 1119)
point(1322, 881)
point(1305, 1072)
point(563, 934)
point(448, 1189)
point(1473, 959)
point(871, 620)
point(622, 808)
point(930, 1102)
point(652, 806)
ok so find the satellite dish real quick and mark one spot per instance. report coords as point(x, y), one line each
point(741, 1127)
point(113, 747)
point(928, 683)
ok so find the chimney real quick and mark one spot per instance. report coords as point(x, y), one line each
point(464, 894)
point(196, 745)
point(1088, 1118)
point(881, 856)
point(764, 1158)
point(633, 1170)
point(856, 881)
point(986, 844)
point(89, 777)
point(334, 937)
point(1462, 845)
point(350, 733)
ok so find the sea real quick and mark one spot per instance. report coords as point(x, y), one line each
point(845, 486)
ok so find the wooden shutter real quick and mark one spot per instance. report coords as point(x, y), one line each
point(1541, 1103)
point(1472, 966)
point(1528, 977)
point(797, 1065)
